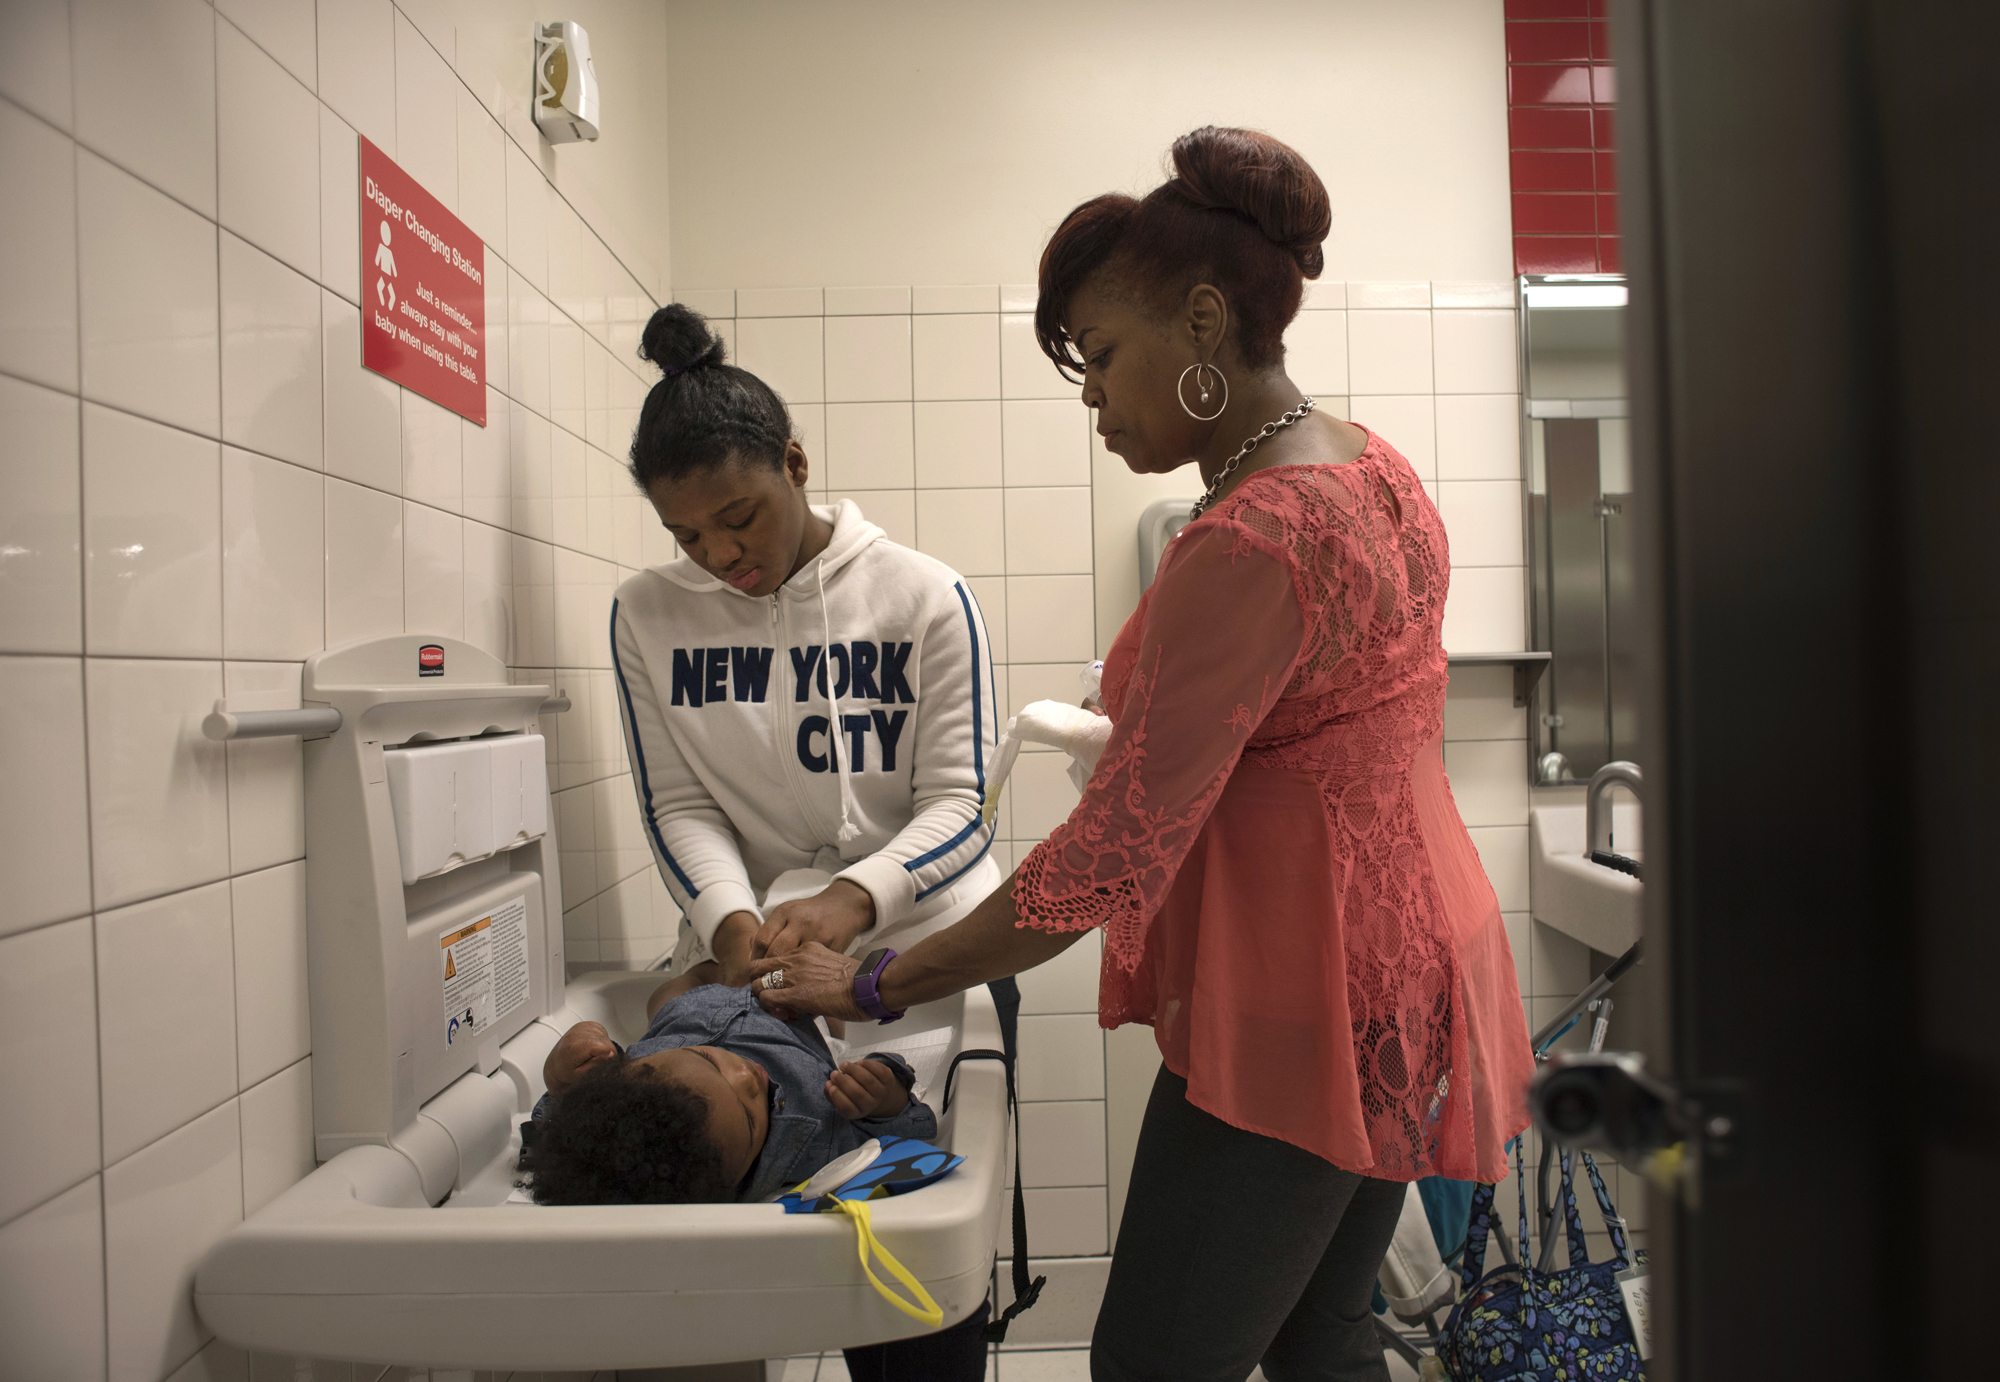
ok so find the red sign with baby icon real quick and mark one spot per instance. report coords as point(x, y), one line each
point(423, 290)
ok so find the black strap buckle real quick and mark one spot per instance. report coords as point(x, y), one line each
point(1026, 1291)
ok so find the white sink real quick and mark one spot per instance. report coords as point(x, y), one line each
point(1597, 905)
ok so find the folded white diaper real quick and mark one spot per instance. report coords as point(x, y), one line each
point(1080, 733)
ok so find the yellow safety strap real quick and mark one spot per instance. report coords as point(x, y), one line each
point(926, 1310)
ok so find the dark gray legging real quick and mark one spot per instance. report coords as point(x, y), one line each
point(1238, 1249)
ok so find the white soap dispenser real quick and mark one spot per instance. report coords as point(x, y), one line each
point(565, 82)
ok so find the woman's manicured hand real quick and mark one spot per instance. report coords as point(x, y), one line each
point(582, 1046)
point(865, 1089)
point(815, 982)
point(833, 917)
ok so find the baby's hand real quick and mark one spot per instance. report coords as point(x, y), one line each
point(582, 1046)
point(866, 1089)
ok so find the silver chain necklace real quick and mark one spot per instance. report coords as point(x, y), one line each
point(1269, 430)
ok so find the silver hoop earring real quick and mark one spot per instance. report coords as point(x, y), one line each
point(1213, 383)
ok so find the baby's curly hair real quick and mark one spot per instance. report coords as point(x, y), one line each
point(622, 1135)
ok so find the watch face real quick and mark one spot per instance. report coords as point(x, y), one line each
point(876, 959)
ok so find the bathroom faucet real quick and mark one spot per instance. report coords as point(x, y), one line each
point(1596, 813)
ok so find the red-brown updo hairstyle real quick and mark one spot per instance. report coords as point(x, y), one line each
point(1243, 212)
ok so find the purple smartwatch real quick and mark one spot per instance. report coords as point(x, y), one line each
point(867, 985)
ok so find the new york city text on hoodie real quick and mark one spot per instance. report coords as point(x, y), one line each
point(801, 729)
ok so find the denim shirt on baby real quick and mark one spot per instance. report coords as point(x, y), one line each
point(806, 1130)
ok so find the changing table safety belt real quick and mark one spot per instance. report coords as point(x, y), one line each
point(1025, 1291)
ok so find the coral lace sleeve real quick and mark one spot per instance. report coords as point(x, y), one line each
point(1219, 635)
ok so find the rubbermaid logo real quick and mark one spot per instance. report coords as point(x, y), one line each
point(430, 660)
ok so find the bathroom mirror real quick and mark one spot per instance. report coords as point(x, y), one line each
point(1580, 520)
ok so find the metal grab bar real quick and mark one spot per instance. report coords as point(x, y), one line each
point(307, 722)
point(315, 723)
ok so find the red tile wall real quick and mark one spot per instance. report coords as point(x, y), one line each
point(1561, 88)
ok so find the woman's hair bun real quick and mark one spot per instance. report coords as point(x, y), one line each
point(1264, 179)
point(678, 339)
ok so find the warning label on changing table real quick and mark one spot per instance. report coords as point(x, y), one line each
point(485, 967)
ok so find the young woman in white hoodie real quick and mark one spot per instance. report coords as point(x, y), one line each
point(798, 691)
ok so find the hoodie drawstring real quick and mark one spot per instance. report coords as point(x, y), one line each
point(849, 831)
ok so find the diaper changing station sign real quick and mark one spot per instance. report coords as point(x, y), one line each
point(423, 290)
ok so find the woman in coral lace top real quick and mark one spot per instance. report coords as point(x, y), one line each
point(1287, 893)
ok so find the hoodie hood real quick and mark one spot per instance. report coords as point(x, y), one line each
point(852, 535)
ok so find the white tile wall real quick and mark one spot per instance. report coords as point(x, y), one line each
point(44, 839)
point(948, 298)
point(268, 152)
point(1066, 1223)
point(354, 79)
point(1050, 619)
point(426, 114)
point(271, 343)
point(273, 1016)
point(433, 454)
point(363, 433)
point(1045, 443)
point(1486, 612)
point(41, 588)
point(145, 92)
point(780, 302)
point(150, 319)
point(867, 359)
point(52, 1312)
point(1484, 521)
point(38, 309)
point(1479, 437)
point(364, 563)
point(162, 1208)
point(1024, 371)
point(958, 445)
point(340, 214)
point(159, 814)
point(1062, 1144)
point(282, 28)
point(196, 467)
point(1316, 352)
point(48, 1010)
point(152, 538)
point(870, 445)
point(266, 776)
point(1476, 352)
point(1062, 1057)
point(1389, 352)
point(433, 572)
point(964, 528)
point(788, 353)
point(868, 302)
point(35, 65)
point(273, 558)
point(1048, 531)
point(277, 1134)
point(957, 357)
point(1375, 295)
point(166, 1015)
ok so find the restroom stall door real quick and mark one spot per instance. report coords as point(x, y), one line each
point(1811, 211)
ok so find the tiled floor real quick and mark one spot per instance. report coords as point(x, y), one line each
point(1020, 1365)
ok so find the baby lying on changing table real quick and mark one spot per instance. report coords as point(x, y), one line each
point(718, 1101)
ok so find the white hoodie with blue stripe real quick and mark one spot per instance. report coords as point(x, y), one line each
point(845, 723)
